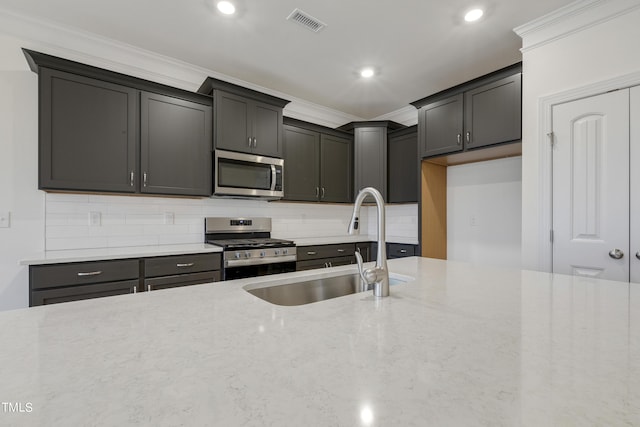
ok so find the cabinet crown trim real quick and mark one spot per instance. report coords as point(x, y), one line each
point(211, 84)
point(471, 84)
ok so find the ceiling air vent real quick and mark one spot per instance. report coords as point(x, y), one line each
point(306, 20)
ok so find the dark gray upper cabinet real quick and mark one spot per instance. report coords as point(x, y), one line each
point(336, 166)
point(441, 127)
point(88, 134)
point(493, 112)
point(246, 121)
point(370, 152)
point(175, 138)
point(318, 165)
point(403, 163)
point(479, 113)
point(104, 131)
point(301, 157)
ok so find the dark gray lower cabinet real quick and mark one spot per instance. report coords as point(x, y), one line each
point(88, 134)
point(321, 256)
point(175, 138)
point(55, 283)
point(394, 250)
point(181, 270)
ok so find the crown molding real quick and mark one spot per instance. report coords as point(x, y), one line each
point(407, 116)
point(570, 19)
point(98, 51)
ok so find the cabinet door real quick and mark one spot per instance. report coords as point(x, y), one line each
point(175, 144)
point(302, 164)
point(403, 168)
point(266, 123)
point(440, 127)
point(88, 134)
point(82, 292)
point(177, 281)
point(336, 169)
point(493, 113)
point(370, 151)
point(232, 127)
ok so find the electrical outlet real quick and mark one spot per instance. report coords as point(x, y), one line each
point(5, 219)
point(473, 221)
point(169, 218)
point(95, 219)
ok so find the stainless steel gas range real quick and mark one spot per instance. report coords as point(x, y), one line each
point(248, 249)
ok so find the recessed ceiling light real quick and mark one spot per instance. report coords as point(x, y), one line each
point(226, 7)
point(473, 15)
point(367, 72)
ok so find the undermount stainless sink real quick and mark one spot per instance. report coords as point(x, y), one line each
point(320, 289)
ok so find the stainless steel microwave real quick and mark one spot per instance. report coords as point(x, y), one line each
point(247, 175)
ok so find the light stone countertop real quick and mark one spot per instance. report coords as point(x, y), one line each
point(460, 345)
point(82, 255)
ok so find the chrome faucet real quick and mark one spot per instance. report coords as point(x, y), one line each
point(378, 276)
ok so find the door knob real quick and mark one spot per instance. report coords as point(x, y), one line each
point(616, 254)
point(638, 255)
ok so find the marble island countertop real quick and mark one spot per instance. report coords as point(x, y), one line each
point(458, 346)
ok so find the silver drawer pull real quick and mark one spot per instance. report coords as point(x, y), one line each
point(189, 264)
point(311, 253)
point(403, 251)
point(89, 273)
point(340, 251)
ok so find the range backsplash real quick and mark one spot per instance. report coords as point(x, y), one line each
point(81, 221)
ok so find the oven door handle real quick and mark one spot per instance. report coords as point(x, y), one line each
point(273, 177)
point(230, 263)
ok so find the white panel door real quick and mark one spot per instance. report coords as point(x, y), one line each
point(634, 174)
point(591, 186)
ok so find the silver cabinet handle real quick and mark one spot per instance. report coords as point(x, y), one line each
point(469, 137)
point(330, 265)
point(340, 251)
point(311, 253)
point(90, 273)
point(616, 253)
point(188, 264)
point(144, 179)
point(249, 142)
point(317, 191)
point(255, 142)
point(326, 265)
point(131, 179)
point(638, 255)
point(322, 196)
point(148, 288)
point(135, 289)
point(459, 139)
point(403, 251)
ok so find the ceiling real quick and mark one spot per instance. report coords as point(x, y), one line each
point(418, 47)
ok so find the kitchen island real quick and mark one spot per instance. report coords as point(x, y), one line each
point(455, 345)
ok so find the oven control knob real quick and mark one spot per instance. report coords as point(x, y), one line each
point(247, 254)
point(263, 254)
point(285, 251)
point(237, 255)
point(276, 252)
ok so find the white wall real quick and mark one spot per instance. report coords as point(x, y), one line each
point(484, 212)
point(18, 174)
point(604, 50)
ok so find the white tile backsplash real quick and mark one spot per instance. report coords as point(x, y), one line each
point(140, 221)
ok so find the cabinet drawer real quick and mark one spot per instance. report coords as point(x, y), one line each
point(399, 250)
point(51, 276)
point(324, 263)
point(181, 264)
point(81, 292)
point(181, 280)
point(325, 251)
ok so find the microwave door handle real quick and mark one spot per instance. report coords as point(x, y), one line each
point(273, 177)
